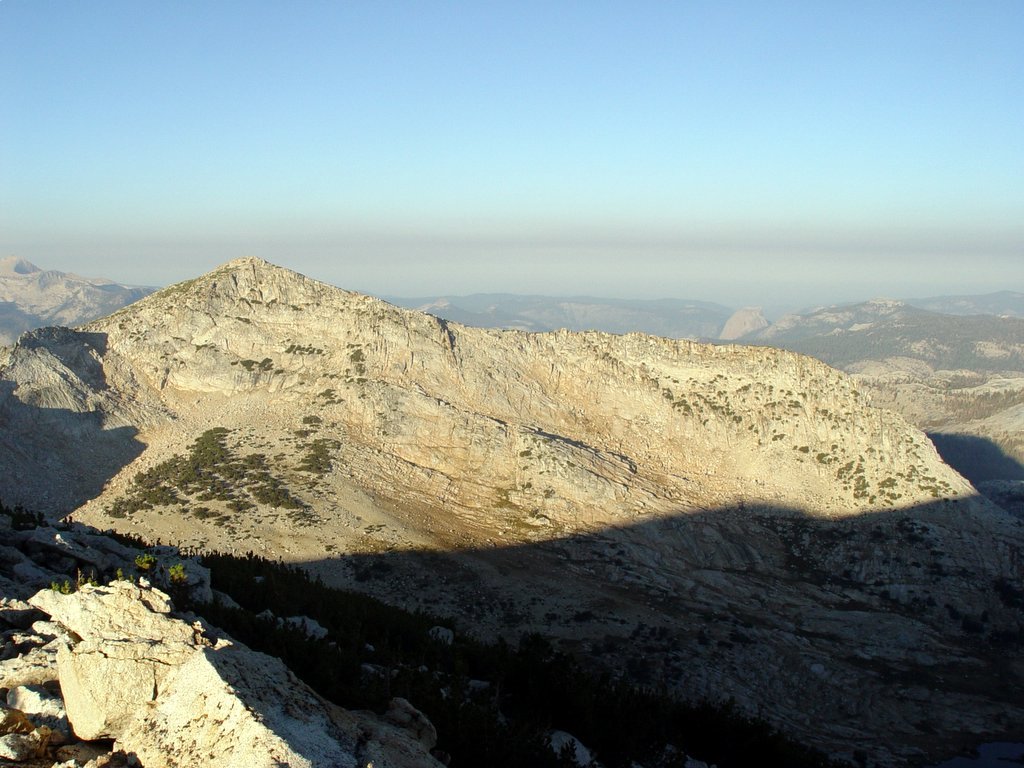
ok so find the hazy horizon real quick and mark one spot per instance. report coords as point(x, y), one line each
point(735, 153)
point(772, 310)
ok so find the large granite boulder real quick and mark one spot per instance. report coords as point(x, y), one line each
point(129, 644)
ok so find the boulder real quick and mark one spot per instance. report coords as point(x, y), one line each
point(116, 612)
point(9, 555)
point(22, 747)
point(17, 613)
point(561, 741)
point(309, 627)
point(40, 705)
point(49, 630)
point(80, 753)
point(65, 544)
point(228, 705)
point(225, 600)
point(128, 644)
point(13, 588)
point(405, 715)
point(28, 574)
point(442, 635)
point(232, 706)
point(14, 721)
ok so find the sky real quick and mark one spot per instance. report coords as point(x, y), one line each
point(741, 152)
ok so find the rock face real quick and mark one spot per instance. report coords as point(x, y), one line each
point(726, 521)
point(959, 376)
point(32, 298)
point(174, 694)
point(743, 322)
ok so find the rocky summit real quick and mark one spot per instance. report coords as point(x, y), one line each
point(726, 521)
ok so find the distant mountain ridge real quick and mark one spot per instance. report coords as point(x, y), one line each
point(1000, 303)
point(670, 318)
point(31, 298)
point(691, 319)
point(884, 328)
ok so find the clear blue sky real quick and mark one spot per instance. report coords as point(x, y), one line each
point(760, 152)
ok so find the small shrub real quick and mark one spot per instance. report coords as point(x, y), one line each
point(177, 574)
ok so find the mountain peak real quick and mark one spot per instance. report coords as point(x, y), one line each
point(260, 269)
point(743, 322)
point(244, 262)
point(13, 265)
point(249, 280)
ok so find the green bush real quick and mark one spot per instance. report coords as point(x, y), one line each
point(145, 561)
point(176, 574)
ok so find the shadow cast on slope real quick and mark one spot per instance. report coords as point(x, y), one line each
point(822, 627)
point(54, 459)
point(976, 458)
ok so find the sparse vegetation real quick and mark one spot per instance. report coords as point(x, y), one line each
point(329, 396)
point(318, 459)
point(358, 360)
point(266, 364)
point(298, 349)
point(210, 472)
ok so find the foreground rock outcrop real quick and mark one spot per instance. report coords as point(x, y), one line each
point(177, 693)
